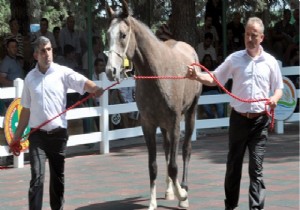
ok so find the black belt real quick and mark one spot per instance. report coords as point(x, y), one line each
point(51, 132)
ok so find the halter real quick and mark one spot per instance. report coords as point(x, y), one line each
point(127, 66)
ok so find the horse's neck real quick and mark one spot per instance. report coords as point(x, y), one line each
point(148, 50)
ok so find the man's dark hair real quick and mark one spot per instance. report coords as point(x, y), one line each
point(68, 49)
point(98, 60)
point(12, 19)
point(44, 20)
point(208, 35)
point(56, 28)
point(10, 40)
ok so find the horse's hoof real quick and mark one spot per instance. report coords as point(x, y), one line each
point(182, 195)
point(169, 196)
point(184, 204)
point(152, 206)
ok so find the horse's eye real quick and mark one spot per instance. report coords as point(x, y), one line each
point(122, 35)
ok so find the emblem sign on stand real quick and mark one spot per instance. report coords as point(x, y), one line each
point(287, 104)
point(11, 120)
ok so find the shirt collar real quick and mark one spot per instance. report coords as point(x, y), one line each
point(258, 58)
point(49, 70)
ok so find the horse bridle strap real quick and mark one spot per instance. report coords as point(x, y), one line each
point(126, 68)
point(127, 44)
point(123, 55)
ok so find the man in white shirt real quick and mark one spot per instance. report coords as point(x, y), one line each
point(43, 98)
point(255, 75)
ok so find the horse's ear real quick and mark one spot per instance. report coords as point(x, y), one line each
point(125, 10)
point(109, 11)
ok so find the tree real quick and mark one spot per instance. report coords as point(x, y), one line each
point(183, 21)
point(4, 14)
point(19, 10)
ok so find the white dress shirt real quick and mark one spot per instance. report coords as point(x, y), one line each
point(45, 94)
point(253, 78)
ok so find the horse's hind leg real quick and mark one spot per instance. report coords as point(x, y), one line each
point(187, 148)
point(169, 194)
point(149, 134)
point(174, 132)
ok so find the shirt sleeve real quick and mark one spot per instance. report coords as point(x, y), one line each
point(25, 99)
point(75, 81)
point(52, 40)
point(4, 67)
point(223, 72)
point(276, 77)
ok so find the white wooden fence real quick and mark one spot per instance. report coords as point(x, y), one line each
point(104, 136)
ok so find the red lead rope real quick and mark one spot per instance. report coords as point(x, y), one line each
point(15, 146)
point(269, 113)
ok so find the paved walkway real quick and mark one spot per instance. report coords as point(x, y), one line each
point(119, 180)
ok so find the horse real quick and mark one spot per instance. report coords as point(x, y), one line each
point(162, 103)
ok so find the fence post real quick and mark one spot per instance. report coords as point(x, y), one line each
point(104, 118)
point(19, 160)
point(279, 126)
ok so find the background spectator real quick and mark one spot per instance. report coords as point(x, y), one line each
point(97, 52)
point(68, 35)
point(238, 31)
point(208, 27)
point(164, 32)
point(14, 34)
point(282, 35)
point(56, 32)
point(206, 47)
point(211, 90)
point(213, 8)
point(10, 68)
point(44, 25)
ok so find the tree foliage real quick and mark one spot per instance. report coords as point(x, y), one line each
point(151, 12)
point(4, 15)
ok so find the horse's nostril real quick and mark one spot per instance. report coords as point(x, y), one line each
point(114, 71)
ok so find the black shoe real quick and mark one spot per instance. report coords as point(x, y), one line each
point(228, 208)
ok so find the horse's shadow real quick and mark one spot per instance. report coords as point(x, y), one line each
point(125, 204)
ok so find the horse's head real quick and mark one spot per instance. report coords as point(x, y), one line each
point(121, 43)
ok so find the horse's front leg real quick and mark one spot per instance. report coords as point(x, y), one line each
point(169, 194)
point(149, 134)
point(180, 193)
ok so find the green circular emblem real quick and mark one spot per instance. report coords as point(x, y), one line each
point(11, 120)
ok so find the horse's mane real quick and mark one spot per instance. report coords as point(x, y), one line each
point(143, 26)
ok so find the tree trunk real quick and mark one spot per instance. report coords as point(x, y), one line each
point(143, 10)
point(183, 21)
point(19, 10)
point(34, 11)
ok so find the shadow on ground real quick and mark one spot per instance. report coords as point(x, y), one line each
point(125, 204)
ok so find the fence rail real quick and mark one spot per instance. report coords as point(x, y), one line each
point(104, 136)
